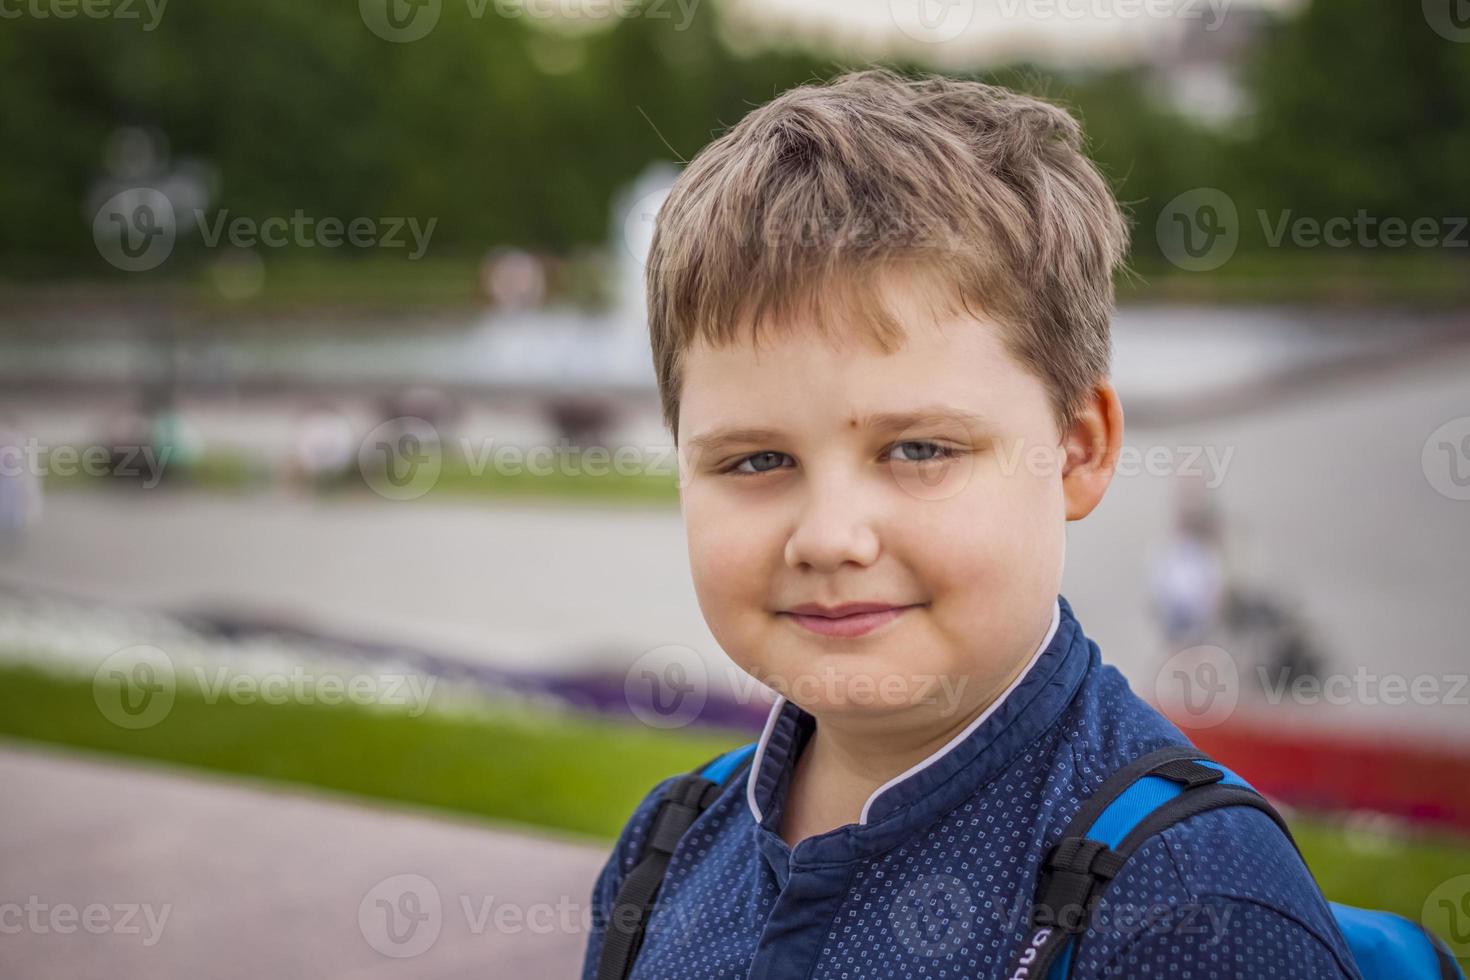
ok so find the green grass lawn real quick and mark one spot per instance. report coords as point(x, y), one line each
point(556, 771)
point(559, 771)
point(458, 479)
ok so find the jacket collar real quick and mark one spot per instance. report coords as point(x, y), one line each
point(925, 791)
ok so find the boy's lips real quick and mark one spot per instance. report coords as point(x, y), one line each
point(847, 620)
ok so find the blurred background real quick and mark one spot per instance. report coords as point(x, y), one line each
point(344, 603)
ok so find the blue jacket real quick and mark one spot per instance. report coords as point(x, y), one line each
point(937, 878)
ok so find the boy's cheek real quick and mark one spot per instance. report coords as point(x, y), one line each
point(732, 589)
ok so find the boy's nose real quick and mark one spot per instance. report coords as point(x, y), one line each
point(833, 528)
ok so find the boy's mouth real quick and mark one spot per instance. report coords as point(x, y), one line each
point(847, 620)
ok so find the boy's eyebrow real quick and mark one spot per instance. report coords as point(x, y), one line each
point(930, 415)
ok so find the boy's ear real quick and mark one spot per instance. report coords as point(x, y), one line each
point(1092, 446)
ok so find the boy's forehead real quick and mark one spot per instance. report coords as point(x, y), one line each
point(958, 368)
point(955, 342)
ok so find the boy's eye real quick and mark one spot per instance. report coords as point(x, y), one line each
point(926, 451)
point(913, 451)
point(757, 458)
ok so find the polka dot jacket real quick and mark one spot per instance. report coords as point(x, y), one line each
point(937, 878)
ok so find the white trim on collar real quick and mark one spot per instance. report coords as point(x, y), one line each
point(780, 703)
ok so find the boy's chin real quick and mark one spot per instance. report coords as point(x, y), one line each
point(834, 693)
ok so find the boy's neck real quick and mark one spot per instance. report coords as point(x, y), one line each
point(846, 759)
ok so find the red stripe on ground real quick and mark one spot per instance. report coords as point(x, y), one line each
point(1345, 771)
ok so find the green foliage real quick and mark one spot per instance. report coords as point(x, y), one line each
point(299, 105)
point(1362, 105)
point(508, 131)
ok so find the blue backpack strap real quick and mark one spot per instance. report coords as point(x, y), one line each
point(1144, 798)
point(1141, 799)
point(684, 800)
point(718, 769)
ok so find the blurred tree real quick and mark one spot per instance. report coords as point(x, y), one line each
point(1361, 104)
point(505, 130)
point(513, 131)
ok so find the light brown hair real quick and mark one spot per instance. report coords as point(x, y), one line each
point(796, 208)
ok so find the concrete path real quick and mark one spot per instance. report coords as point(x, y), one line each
point(120, 871)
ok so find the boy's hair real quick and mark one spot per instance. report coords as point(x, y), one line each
point(800, 205)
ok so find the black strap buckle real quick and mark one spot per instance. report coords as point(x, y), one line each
point(1188, 773)
point(1071, 879)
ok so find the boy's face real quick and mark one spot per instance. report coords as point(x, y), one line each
point(831, 505)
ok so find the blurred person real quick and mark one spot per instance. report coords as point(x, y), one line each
point(323, 451)
point(1198, 599)
point(20, 486)
point(513, 279)
point(1187, 581)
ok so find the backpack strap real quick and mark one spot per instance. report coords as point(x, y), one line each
point(685, 799)
point(1143, 798)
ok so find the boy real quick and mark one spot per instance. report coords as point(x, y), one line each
point(880, 323)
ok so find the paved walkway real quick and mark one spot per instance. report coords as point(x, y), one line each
point(119, 871)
